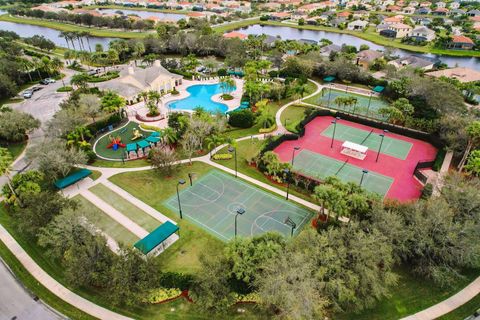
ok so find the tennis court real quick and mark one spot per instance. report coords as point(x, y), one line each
point(213, 200)
point(318, 166)
point(391, 146)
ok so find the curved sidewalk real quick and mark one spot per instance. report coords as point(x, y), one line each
point(52, 285)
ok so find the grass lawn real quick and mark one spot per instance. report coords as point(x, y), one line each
point(96, 32)
point(412, 294)
point(15, 148)
point(119, 164)
point(292, 116)
point(95, 175)
point(33, 286)
point(154, 188)
point(236, 133)
point(235, 25)
point(248, 147)
point(464, 311)
point(136, 214)
point(120, 7)
point(102, 221)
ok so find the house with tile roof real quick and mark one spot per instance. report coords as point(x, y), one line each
point(461, 43)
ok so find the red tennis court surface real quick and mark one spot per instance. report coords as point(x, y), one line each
point(404, 187)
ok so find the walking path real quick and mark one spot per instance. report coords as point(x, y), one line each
point(52, 285)
point(435, 311)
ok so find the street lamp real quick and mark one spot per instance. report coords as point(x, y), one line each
point(293, 153)
point(292, 224)
point(190, 177)
point(329, 94)
point(369, 100)
point(381, 143)
point(364, 172)
point(334, 122)
point(181, 181)
point(239, 211)
point(287, 179)
point(234, 150)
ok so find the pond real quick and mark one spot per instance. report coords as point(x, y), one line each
point(145, 14)
point(289, 33)
point(26, 30)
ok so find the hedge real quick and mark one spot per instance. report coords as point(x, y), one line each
point(99, 126)
point(268, 130)
point(222, 156)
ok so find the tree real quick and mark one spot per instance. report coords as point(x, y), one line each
point(112, 102)
point(54, 159)
point(80, 80)
point(64, 121)
point(21, 185)
point(138, 50)
point(473, 132)
point(163, 159)
point(190, 143)
point(214, 141)
point(90, 105)
point(15, 125)
point(473, 163)
point(6, 161)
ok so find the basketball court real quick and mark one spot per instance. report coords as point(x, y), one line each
point(213, 200)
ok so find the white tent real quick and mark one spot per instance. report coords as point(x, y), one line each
point(354, 150)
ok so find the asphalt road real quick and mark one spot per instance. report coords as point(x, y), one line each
point(17, 303)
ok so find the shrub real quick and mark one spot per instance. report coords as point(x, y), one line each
point(65, 89)
point(149, 128)
point(92, 156)
point(249, 297)
point(437, 165)
point(227, 97)
point(222, 156)
point(108, 76)
point(161, 294)
point(222, 72)
point(242, 119)
point(268, 130)
point(273, 73)
point(174, 92)
point(427, 191)
point(176, 280)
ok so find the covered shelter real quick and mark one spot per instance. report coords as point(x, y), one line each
point(152, 140)
point(378, 89)
point(329, 79)
point(132, 147)
point(143, 144)
point(72, 178)
point(354, 150)
point(158, 240)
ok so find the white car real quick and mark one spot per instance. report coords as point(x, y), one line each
point(50, 80)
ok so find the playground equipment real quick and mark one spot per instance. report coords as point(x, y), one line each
point(115, 143)
point(136, 134)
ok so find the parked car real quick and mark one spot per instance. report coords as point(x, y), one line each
point(44, 81)
point(93, 72)
point(50, 80)
point(27, 94)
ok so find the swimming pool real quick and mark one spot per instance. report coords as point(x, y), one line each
point(200, 96)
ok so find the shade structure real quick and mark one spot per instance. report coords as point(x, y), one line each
point(329, 79)
point(72, 178)
point(156, 237)
point(379, 89)
point(155, 134)
point(132, 147)
point(143, 144)
point(152, 139)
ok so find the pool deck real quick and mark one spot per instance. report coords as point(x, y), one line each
point(231, 104)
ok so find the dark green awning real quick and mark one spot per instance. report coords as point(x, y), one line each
point(72, 178)
point(156, 237)
point(329, 79)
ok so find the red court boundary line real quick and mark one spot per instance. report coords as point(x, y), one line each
point(404, 187)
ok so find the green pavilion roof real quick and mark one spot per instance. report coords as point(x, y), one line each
point(156, 237)
point(131, 147)
point(72, 178)
point(153, 139)
point(329, 79)
point(379, 89)
point(143, 144)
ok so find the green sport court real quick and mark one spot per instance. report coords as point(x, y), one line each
point(213, 200)
point(318, 166)
point(360, 108)
point(391, 146)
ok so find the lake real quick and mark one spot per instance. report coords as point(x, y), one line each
point(26, 30)
point(146, 14)
point(289, 33)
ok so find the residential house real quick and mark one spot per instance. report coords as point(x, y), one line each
point(270, 6)
point(408, 10)
point(393, 20)
point(413, 62)
point(422, 33)
point(462, 74)
point(454, 5)
point(461, 43)
point(422, 21)
point(397, 30)
point(235, 34)
point(381, 27)
point(357, 25)
point(307, 8)
point(440, 4)
point(425, 4)
point(413, 4)
point(440, 11)
point(473, 13)
point(344, 14)
point(279, 16)
point(457, 12)
point(331, 48)
point(366, 57)
point(134, 80)
point(337, 22)
point(393, 8)
point(424, 10)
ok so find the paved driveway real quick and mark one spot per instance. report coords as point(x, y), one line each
point(16, 302)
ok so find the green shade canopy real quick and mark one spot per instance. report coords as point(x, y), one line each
point(131, 147)
point(235, 73)
point(155, 134)
point(378, 89)
point(156, 237)
point(143, 144)
point(72, 178)
point(152, 139)
point(329, 79)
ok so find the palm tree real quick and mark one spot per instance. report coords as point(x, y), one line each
point(169, 136)
point(155, 96)
point(6, 161)
point(27, 66)
point(214, 141)
point(65, 35)
point(144, 96)
point(80, 80)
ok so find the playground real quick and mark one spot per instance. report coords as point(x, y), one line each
point(114, 144)
point(364, 104)
point(391, 175)
point(214, 199)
